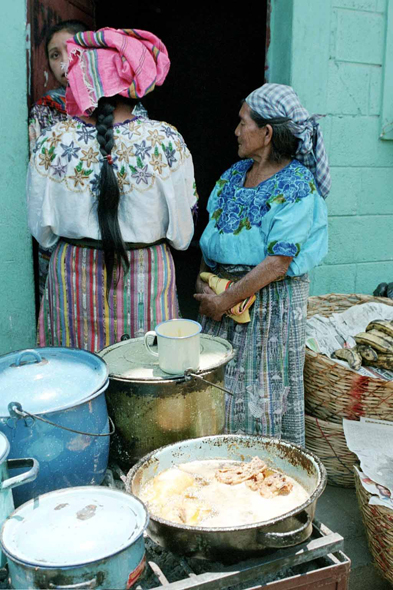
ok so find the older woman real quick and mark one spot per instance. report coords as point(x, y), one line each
point(112, 190)
point(267, 229)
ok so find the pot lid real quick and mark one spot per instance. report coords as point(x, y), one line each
point(73, 526)
point(4, 447)
point(44, 380)
point(130, 359)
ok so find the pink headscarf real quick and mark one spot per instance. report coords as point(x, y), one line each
point(107, 62)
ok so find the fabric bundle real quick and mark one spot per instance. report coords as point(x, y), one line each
point(54, 99)
point(239, 312)
point(129, 62)
point(277, 101)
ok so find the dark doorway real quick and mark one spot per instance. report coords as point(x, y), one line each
point(218, 57)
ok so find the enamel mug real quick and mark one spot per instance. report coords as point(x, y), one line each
point(178, 345)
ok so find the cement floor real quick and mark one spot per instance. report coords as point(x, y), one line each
point(338, 509)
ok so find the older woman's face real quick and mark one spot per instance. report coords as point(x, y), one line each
point(250, 137)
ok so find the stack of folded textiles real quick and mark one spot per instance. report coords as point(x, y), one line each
point(239, 312)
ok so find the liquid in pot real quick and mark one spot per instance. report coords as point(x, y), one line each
point(217, 493)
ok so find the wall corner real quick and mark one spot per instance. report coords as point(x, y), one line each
point(279, 41)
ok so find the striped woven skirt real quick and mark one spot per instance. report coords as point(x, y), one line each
point(266, 375)
point(44, 255)
point(76, 311)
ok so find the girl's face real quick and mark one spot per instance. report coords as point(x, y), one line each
point(57, 54)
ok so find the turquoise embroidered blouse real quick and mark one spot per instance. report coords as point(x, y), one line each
point(284, 215)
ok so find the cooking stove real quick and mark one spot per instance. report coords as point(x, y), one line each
point(317, 563)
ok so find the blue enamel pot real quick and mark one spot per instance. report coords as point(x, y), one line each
point(7, 483)
point(84, 537)
point(53, 409)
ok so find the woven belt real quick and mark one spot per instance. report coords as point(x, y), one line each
point(233, 277)
point(97, 244)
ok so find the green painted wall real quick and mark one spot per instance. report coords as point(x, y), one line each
point(17, 315)
point(334, 57)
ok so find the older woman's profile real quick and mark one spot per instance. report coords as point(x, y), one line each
point(267, 230)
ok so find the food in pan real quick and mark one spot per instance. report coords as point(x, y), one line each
point(219, 493)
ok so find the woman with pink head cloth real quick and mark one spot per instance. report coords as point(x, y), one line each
point(113, 190)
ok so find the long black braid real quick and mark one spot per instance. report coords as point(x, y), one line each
point(115, 254)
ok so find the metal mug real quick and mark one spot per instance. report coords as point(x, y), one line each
point(178, 345)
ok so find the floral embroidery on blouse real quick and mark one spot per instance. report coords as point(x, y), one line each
point(68, 152)
point(169, 152)
point(80, 175)
point(153, 169)
point(156, 162)
point(55, 139)
point(47, 156)
point(155, 137)
point(59, 169)
point(89, 156)
point(50, 109)
point(237, 208)
point(68, 124)
point(85, 133)
point(125, 153)
point(142, 149)
point(277, 248)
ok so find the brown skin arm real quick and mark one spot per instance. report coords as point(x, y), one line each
point(269, 270)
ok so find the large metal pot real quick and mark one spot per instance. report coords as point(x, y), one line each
point(8, 483)
point(61, 386)
point(234, 543)
point(151, 408)
point(84, 537)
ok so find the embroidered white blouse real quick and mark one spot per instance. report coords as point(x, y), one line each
point(154, 170)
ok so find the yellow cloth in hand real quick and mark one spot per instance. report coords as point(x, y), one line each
point(239, 312)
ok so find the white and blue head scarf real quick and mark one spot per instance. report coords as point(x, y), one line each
point(277, 101)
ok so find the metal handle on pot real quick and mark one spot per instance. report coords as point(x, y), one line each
point(188, 374)
point(278, 540)
point(89, 584)
point(28, 352)
point(16, 411)
point(26, 477)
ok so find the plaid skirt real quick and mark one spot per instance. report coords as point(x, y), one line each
point(266, 375)
point(76, 312)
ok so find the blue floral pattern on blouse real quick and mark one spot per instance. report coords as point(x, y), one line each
point(238, 208)
point(283, 216)
point(283, 249)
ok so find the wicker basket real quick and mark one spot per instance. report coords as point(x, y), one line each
point(333, 391)
point(378, 522)
point(327, 441)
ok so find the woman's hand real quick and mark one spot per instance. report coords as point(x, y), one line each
point(202, 287)
point(210, 305)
